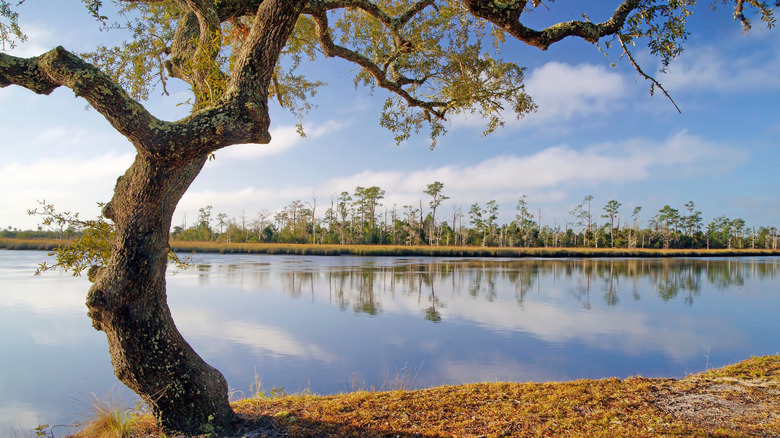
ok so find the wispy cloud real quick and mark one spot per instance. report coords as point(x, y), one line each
point(563, 92)
point(40, 39)
point(547, 174)
point(710, 69)
point(282, 140)
point(71, 184)
point(261, 339)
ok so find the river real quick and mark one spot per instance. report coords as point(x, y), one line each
point(334, 324)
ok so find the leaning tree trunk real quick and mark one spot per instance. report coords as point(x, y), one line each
point(128, 302)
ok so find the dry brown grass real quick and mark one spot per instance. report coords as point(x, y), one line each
point(738, 400)
point(110, 418)
point(450, 251)
point(32, 244)
point(399, 250)
point(741, 400)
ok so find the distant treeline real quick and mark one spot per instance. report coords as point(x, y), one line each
point(359, 218)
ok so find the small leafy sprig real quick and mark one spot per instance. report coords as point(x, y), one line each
point(93, 245)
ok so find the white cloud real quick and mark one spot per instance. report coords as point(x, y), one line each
point(563, 92)
point(546, 174)
point(282, 140)
point(709, 69)
point(39, 40)
point(679, 338)
point(20, 418)
point(261, 339)
point(56, 293)
point(69, 183)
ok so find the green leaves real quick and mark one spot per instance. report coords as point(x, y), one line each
point(92, 248)
point(436, 63)
point(93, 6)
point(92, 245)
point(10, 32)
point(137, 64)
point(662, 23)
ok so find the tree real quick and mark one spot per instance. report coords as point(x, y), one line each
point(343, 209)
point(581, 212)
point(313, 207)
point(204, 222)
point(611, 210)
point(221, 221)
point(478, 221)
point(490, 213)
point(635, 215)
point(692, 221)
point(524, 218)
point(370, 198)
point(434, 190)
point(236, 56)
point(669, 220)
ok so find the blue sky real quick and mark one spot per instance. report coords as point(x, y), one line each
point(597, 132)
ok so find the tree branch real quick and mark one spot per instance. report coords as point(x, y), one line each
point(506, 16)
point(188, 139)
point(58, 67)
point(654, 82)
point(380, 76)
point(273, 23)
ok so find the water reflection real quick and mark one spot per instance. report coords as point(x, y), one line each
point(362, 284)
point(314, 322)
point(620, 317)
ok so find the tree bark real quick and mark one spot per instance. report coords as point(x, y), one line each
point(128, 302)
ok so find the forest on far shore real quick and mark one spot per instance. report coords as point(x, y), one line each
point(359, 218)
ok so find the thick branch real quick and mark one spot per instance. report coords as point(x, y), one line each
point(254, 65)
point(507, 17)
point(59, 67)
point(415, 9)
point(382, 80)
point(183, 141)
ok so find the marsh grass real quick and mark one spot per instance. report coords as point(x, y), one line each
point(403, 379)
point(737, 400)
point(406, 251)
point(450, 251)
point(32, 244)
point(111, 418)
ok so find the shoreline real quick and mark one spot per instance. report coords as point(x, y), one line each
point(742, 399)
point(420, 251)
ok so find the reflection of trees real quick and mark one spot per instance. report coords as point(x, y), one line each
point(432, 313)
point(674, 277)
point(203, 272)
point(612, 283)
point(366, 301)
point(728, 273)
point(362, 286)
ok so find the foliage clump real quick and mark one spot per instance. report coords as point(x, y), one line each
point(92, 246)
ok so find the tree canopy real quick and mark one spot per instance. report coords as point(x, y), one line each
point(436, 59)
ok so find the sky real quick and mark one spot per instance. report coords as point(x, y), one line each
point(597, 132)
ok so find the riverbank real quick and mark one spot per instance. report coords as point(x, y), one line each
point(737, 400)
point(409, 251)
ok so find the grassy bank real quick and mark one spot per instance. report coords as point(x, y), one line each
point(738, 400)
point(32, 244)
point(449, 251)
point(408, 251)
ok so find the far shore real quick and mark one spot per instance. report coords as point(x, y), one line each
point(409, 251)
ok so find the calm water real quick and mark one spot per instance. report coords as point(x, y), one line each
point(328, 324)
